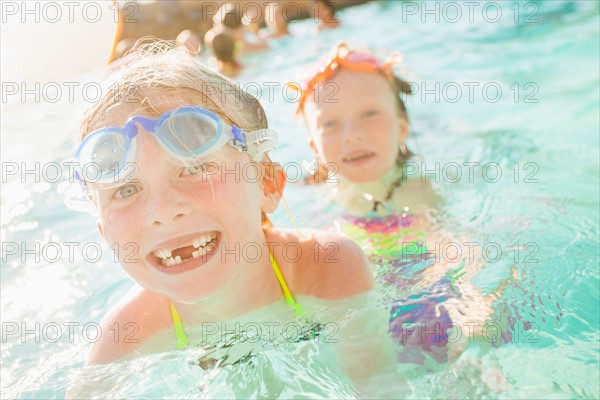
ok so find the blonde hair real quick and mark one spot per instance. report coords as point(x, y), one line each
point(162, 65)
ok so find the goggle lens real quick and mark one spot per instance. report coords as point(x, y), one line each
point(189, 133)
point(103, 159)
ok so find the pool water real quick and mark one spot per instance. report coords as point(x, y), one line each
point(542, 133)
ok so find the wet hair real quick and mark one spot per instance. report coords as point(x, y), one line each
point(223, 47)
point(401, 88)
point(123, 47)
point(162, 66)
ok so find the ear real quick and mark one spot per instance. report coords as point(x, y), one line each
point(273, 183)
point(404, 130)
point(99, 226)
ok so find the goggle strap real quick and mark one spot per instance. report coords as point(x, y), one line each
point(265, 140)
point(261, 135)
point(262, 149)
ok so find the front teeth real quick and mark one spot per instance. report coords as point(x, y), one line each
point(200, 252)
point(170, 261)
point(162, 253)
point(203, 244)
point(202, 240)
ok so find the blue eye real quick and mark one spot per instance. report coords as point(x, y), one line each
point(125, 191)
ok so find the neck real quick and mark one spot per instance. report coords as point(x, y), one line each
point(363, 198)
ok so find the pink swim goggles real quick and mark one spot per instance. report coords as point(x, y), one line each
point(356, 61)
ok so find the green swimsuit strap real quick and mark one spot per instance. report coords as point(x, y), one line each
point(182, 339)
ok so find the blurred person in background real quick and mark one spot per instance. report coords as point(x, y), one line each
point(223, 48)
point(229, 20)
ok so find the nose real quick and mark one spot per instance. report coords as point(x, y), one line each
point(165, 207)
point(164, 201)
point(352, 131)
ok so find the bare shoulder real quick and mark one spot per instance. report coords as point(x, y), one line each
point(321, 263)
point(129, 326)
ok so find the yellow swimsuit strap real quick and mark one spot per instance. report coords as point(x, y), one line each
point(182, 339)
point(286, 291)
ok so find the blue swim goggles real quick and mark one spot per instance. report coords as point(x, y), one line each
point(188, 134)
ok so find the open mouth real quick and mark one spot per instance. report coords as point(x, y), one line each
point(186, 255)
point(358, 157)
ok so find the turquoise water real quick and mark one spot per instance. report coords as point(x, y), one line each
point(555, 211)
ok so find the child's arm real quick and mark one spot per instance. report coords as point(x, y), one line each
point(471, 310)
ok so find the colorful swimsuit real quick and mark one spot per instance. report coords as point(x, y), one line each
point(395, 246)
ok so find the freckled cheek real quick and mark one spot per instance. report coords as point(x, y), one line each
point(379, 127)
point(384, 135)
point(219, 195)
point(330, 148)
point(124, 241)
point(121, 228)
point(204, 190)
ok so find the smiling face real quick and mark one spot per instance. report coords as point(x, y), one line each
point(358, 127)
point(172, 224)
